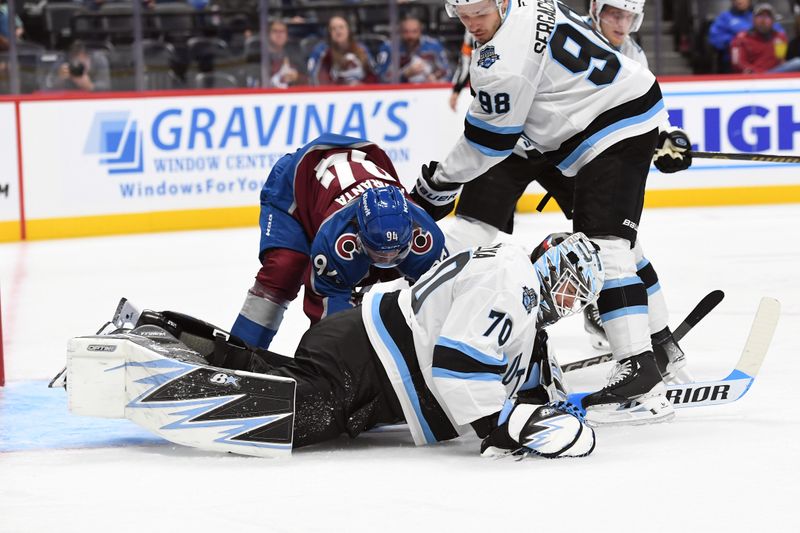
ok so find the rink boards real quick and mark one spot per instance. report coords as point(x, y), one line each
point(80, 165)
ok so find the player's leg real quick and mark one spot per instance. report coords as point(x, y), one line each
point(609, 196)
point(656, 307)
point(669, 356)
point(342, 387)
point(340, 384)
point(487, 204)
point(562, 189)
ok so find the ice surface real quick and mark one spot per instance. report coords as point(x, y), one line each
point(726, 468)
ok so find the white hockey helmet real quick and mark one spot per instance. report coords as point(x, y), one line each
point(570, 275)
point(451, 6)
point(634, 6)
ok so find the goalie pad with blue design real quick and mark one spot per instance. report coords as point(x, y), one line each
point(149, 377)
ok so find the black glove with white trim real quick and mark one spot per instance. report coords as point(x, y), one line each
point(437, 199)
point(672, 153)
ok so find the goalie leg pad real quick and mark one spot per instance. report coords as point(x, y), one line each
point(161, 385)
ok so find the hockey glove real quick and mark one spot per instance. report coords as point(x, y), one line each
point(672, 153)
point(552, 430)
point(437, 199)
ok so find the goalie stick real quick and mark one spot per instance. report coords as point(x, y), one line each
point(703, 307)
point(738, 382)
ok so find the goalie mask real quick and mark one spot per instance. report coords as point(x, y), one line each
point(384, 226)
point(570, 275)
point(633, 6)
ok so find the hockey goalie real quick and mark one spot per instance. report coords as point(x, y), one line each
point(464, 350)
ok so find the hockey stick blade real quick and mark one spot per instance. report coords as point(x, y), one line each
point(703, 307)
point(738, 382)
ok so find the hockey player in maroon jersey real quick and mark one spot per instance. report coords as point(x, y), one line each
point(333, 216)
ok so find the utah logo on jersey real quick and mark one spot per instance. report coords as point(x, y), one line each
point(488, 57)
point(528, 299)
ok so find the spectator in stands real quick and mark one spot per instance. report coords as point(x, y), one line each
point(4, 26)
point(422, 58)
point(761, 48)
point(340, 59)
point(84, 70)
point(285, 69)
point(727, 25)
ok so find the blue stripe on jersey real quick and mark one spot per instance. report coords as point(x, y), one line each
point(466, 349)
point(652, 289)
point(533, 380)
point(474, 376)
point(490, 152)
point(591, 141)
point(505, 412)
point(478, 123)
point(643, 263)
point(408, 385)
point(621, 282)
point(625, 311)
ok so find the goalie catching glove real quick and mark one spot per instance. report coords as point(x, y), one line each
point(552, 430)
point(437, 199)
point(672, 153)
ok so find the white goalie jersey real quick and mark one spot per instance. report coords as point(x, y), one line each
point(458, 343)
point(548, 77)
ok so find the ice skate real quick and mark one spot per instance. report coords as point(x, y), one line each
point(669, 357)
point(635, 394)
point(594, 327)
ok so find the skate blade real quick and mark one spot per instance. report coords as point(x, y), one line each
point(653, 410)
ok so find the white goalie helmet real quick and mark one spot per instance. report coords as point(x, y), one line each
point(570, 275)
point(451, 6)
point(634, 6)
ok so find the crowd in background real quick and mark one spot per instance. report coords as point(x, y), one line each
point(86, 44)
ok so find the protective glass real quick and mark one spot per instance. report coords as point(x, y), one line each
point(385, 258)
point(473, 9)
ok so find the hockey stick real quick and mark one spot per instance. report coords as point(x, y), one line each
point(767, 158)
point(738, 382)
point(703, 307)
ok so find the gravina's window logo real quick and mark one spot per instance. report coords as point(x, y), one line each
point(116, 138)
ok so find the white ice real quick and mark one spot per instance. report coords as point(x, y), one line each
point(726, 468)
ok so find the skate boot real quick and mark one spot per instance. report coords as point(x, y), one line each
point(669, 357)
point(594, 327)
point(635, 394)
